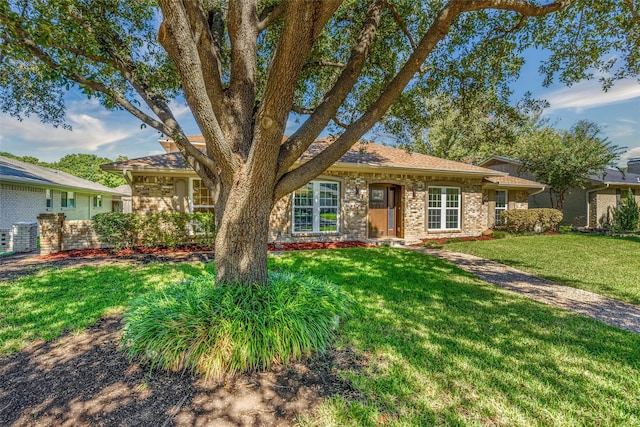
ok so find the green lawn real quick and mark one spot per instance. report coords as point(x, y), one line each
point(602, 264)
point(51, 302)
point(438, 346)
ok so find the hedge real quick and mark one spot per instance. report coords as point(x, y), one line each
point(538, 220)
point(163, 229)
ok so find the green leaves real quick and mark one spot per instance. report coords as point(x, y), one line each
point(565, 159)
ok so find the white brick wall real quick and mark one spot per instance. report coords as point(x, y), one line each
point(24, 204)
point(20, 204)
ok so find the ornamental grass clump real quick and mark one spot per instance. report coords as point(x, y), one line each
point(217, 330)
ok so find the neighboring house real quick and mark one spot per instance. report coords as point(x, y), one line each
point(123, 203)
point(589, 207)
point(373, 191)
point(28, 190)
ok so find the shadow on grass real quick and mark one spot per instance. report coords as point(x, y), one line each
point(449, 349)
point(51, 302)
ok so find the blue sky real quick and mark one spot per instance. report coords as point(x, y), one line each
point(112, 133)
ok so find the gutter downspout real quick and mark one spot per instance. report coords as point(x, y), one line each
point(589, 203)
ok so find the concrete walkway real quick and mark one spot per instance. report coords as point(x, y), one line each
point(589, 304)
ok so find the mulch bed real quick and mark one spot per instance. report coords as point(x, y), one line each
point(273, 247)
point(85, 379)
point(14, 266)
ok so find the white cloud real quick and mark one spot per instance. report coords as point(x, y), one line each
point(179, 109)
point(631, 154)
point(95, 130)
point(589, 94)
point(623, 128)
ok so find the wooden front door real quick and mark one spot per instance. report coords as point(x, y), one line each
point(384, 203)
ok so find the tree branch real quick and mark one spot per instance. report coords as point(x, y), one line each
point(293, 148)
point(401, 24)
point(270, 14)
point(301, 110)
point(176, 37)
point(303, 23)
point(293, 179)
point(242, 26)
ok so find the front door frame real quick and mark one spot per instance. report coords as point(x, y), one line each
point(395, 214)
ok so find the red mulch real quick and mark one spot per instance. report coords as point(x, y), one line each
point(278, 247)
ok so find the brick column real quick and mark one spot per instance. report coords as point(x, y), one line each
point(51, 225)
point(24, 236)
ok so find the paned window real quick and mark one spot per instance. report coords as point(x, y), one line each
point(443, 211)
point(97, 201)
point(68, 199)
point(201, 199)
point(501, 205)
point(49, 196)
point(315, 207)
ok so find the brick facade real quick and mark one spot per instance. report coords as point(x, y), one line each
point(156, 193)
point(59, 234)
point(20, 203)
point(353, 218)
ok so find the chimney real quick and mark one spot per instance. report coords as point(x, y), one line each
point(633, 165)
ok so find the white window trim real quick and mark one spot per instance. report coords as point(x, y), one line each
point(316, 210)
point(97, 198)
point(46, 202)
point(67, 199)
point(443, 208)
point(501, 209)
point(192, 205)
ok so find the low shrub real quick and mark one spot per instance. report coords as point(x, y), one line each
point(216, 330)
point(163, 229)
point(626, 216)
point(119, 230)
point(538, 220)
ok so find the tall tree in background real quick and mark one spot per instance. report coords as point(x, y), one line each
point(244, 65)
point(469, 127)
point(565, 159)
point(85, 166)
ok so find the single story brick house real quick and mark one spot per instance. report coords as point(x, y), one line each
point(27, 190)
point(588, 207)
point(373, 191)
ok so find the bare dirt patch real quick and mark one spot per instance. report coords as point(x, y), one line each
point(85, 379)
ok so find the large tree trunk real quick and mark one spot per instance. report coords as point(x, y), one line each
point(242, 217)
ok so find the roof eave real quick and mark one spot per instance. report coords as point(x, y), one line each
point(412, 170)
point(41, 184)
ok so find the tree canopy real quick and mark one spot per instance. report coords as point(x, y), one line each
point(566, 159)
point(243, 66)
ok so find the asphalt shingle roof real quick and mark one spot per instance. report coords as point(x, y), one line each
point(15, 171)
point(364, 154)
